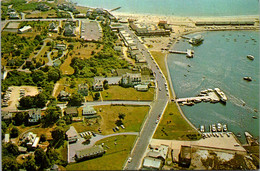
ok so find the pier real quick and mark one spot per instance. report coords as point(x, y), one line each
point(209, 97)
point(115, 9)
point(189, 53)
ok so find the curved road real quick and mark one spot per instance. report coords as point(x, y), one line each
point(157, 109)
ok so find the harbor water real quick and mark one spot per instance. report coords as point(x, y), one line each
point(220, 61)
point(184, 8)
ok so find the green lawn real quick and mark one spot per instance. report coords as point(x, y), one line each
point(173, 125)
point(113, 159)
point(63, 150)
point(134, 116)
point(120, 93)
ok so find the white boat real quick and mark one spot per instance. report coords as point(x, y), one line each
point(248, 78)
point(225, 128)
point(202, 129)
point(196, 40)
point(213, 128)
point(197, 100)
point(210, 90)
point(213, 101)
point(219, 127)
point(251, 57)
point(221, 94)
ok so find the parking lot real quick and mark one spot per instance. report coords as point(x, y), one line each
point(17, 92)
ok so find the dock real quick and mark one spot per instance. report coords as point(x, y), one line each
point(189, 53)
point(115, 9)
point(210, 97)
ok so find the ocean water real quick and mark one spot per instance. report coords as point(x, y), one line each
point(220, 61)
point(183, 8)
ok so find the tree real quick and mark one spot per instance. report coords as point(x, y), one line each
point(30, 164)
point(105, 84)
point(41, 158)
point(119, 122)
point(12, 148)
point(14, 132)
point(43, 137)
point(52, 154)
point(97, 95)
point(71, 46)
point(9, 163)
point(19, 118)
point(52, 115)
point(40, 100)
point(38, 76)
point(58, 134)
point(121, 116)
point(54, 74)
point(87, 139)
point(75, 99)
point(26, 101)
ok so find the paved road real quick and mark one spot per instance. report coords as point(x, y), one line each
point(157, 109)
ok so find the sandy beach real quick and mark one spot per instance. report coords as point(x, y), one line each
point(146, 18)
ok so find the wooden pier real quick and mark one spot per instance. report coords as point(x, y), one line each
point(189, 53)
point(211, 97)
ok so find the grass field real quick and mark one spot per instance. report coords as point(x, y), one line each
point(43, 14)
point(63, 150)
point(134, 116)
point(173, 125)
point(65, 67)
point(113, 159)
point(120, 93)
point(160, 59)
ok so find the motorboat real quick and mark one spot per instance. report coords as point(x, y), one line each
point(221, 94)
point(225, 128)
point(219, 127)
point(202, 128)
point(254, 117)
point(197, 100)
point(251, 57)
point(248, 78)
point(213, 128)
point(213, 101)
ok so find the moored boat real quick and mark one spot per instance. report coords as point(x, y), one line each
point(248, 78)
point(225, 128)
point(219, 127)
point(221, 94)
point(202, 129)
point(251, 57)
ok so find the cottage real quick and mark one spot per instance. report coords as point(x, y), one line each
point(98, 85)
point(71, 111)
point(31, 140)
point(88, 153)
point(7, 138)
point(185, 156)
point(6, 115)
point(72, 135)
point(159, 152)
point(63, 96)
point(152, 163)
point(88, 110)
point(14, 15)
point(140, 87)
point(61, 46)
point(69, 30)
point(53, 27)
point(34, 115)
point(25, 29)
point(83, 89)
point(130, 79)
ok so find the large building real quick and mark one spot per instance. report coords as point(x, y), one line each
point(72, 135)
point(130, 79)
point(88, 153)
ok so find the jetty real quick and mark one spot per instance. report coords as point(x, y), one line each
point(189, 53)
point(209, 95)
point(117, 8)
